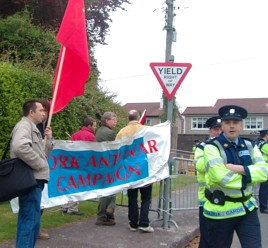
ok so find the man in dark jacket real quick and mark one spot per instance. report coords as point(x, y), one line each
point(106, 205)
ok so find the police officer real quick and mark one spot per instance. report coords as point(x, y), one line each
point(196, 142)
point(233, 166)
point(214, 125)
point(262, 143)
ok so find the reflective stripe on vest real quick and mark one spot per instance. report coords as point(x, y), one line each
point(250, 204)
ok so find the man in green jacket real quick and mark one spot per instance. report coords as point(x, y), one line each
point(106, 207)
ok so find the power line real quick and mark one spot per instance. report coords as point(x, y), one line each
point(134, 76)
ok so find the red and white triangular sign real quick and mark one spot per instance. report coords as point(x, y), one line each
point(170, 75)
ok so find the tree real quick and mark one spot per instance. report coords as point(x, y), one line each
point(49, 13)
point(21, 41)
point(18, 82)
point(28, 58)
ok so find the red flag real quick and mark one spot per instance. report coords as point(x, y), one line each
point(143, 118)
point(73, 64)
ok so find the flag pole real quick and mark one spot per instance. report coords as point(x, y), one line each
point(142, 116)
point(55, 90)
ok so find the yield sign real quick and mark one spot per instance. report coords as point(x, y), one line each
point(170, 76)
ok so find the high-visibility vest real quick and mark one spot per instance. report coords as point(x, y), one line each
point(200, 172)
point(263, 146)
point(219, 152)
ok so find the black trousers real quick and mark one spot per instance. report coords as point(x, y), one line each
point(247, 228)
point(263, 196)
point(204, 232)
point(139, 218)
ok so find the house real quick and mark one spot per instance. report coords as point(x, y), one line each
point(190, 125)
point(195, 118)
point(257, 119)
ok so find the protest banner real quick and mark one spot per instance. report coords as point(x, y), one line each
point(81, 170)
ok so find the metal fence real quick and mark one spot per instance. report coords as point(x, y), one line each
point(176, 193)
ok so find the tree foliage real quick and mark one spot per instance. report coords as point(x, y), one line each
point(49, 13)
point(19, 82)
point(28, 58)
point(21, 41)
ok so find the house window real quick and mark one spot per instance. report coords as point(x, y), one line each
point(147, 122)
point(199, 122)
point(255, 123)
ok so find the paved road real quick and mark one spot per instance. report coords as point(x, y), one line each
point(86, 234)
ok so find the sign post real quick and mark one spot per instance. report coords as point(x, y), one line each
point(170, 76)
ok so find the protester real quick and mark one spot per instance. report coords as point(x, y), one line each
point(233, 166)
point(86, 133)
point(42, 126)
point(262, 143)
point(43, 234)
point(137, 221)
point(106, 207)
point(214, 125)
point(27, 144)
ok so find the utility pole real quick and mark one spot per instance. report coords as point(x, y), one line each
point(170, 30)
point(169, 58)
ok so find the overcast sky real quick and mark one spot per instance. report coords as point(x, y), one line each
point(225, 41)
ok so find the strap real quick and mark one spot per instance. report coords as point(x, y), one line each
point(217, 197)
point(239, 199)
point(6, 150)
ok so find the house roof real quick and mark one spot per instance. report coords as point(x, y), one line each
point(252, 105)
point(152, 108)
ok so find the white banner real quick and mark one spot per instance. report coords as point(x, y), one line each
point(82, 170)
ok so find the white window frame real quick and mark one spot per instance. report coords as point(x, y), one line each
point(200, 121)
point(253, 123)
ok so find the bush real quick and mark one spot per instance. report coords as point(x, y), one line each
point(19, 82)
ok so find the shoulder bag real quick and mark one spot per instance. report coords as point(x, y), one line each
point(16, 177)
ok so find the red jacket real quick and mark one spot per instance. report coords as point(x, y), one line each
point(84, 134)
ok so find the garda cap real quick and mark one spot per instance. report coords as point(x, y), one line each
point(232, 112)
point(214, 121)
point(264, 131)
